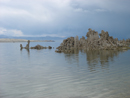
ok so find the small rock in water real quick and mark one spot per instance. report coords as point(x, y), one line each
point(36, 47)
point(49, 47)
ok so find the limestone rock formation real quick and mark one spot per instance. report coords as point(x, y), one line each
point(93, 42)
point(27, 46)
point(21, 47)
point(128, 41)
point(38, 47)
point(49, 47)
point(82, 42)
point(92, 35)
point(35, 47)
point(67, 44)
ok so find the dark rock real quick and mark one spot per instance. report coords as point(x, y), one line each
point(104, 35)
point(49, 47)
point(38, 47)
point(21, 47)
point(58, 51)
point(27, 46)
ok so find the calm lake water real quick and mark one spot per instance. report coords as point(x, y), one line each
point(47, 74)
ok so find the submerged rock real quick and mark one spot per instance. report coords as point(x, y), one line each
point(93, 42)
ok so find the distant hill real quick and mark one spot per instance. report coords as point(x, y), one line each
point(39, 38)
point(3, 36)
point(33, 38)
point(22, 40)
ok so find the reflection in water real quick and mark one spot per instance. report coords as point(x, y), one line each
point(95, 58)
point(100, 58)
point(72, 57)
point(27, 51)
point(47, 74)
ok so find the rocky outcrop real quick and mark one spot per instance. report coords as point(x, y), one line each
point(92, 35)
point(128, 41)
point(27, 46)
point(94, 41)
point(21, 47)
point(67, 44)
point(49, 47)
point(41, 47)
point(35, 47)
point(38, 47)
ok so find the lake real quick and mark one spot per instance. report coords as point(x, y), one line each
point(47, 74)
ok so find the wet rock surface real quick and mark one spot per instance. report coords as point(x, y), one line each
point(94, 41)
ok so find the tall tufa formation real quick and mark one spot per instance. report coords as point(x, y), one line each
point(93, 42)
point(27, 46)
point(92, 35)
point(82, 42)
point(76, 42)
point(67, 44)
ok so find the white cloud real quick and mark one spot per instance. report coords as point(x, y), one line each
point(4, 1)
point(10, 32)
point(19, 33)
point(48, 10)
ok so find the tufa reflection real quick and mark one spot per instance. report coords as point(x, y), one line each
point(95, 58)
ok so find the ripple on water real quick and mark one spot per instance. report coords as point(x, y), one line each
point(44, 73)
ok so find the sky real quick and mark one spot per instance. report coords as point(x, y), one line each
point(64, 18)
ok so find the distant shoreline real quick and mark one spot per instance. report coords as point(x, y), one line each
point(22, 40)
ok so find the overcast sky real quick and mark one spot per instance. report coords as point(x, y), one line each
point(64, 18)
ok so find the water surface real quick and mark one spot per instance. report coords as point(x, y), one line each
point(47, 74)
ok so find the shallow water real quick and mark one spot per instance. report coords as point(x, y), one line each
point(47, 74)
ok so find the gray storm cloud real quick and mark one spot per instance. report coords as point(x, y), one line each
point(65, 17)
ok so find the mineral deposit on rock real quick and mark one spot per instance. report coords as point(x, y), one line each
point(27, 46)
point(35, 47)
point(38, 47)
point(49, 47)
point(94, 41)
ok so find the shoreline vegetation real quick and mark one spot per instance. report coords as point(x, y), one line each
point(22, 40)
